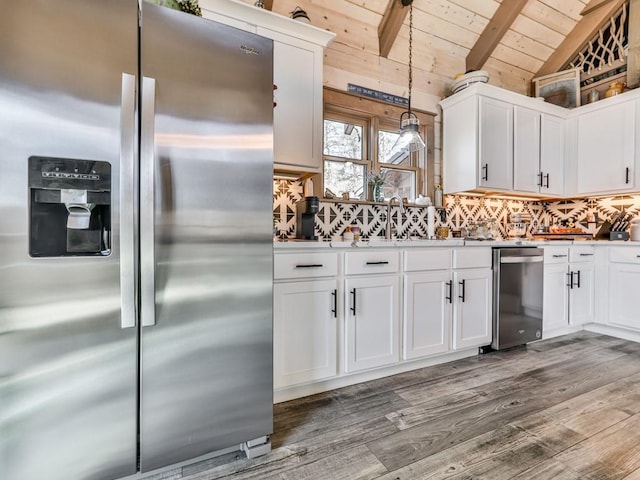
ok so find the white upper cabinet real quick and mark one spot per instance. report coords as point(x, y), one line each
point(297, 77)
point(538, 152)
point(477, 145)
point(495, 144)
point(606, 149)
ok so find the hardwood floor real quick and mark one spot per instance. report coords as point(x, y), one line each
point(563, 409)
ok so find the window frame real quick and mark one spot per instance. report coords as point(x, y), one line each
point(341, 106)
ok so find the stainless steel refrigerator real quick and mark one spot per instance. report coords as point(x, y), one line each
point(135, 238)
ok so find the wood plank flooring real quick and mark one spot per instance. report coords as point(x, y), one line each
point(564, 409)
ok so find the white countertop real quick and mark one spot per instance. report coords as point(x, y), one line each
point(454, 242)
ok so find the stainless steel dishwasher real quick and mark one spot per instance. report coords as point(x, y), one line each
point(517, 296)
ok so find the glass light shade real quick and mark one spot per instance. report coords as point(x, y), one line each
point(409, 138)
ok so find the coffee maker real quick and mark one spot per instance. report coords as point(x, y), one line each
point(306, 210)
point(69, 207)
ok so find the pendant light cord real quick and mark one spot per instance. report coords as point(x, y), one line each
point(410, 53)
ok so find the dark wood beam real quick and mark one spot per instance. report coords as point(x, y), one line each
point(493, 33)
point(583, 32)
point(633, 58)
point(390, 26)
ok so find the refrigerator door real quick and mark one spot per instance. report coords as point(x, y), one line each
point(68, 354)
point(205, 237)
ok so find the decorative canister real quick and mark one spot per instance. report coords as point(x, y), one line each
point(615, 88)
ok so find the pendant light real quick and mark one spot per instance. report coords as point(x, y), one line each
point(409, 138)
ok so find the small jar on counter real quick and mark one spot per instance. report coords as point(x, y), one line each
point(634, 231)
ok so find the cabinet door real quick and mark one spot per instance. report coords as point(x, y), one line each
point(552, 153)
point(623, 293)
point(581, 296)
point(555, 297)
point(305, 331)
point(495, 144)
point(526, 150)
point(373, 321)
point(297, 116)
point(606, 149)
point(427, 313)
point(471, 308)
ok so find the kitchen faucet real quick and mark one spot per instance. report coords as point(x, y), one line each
point(388, 228)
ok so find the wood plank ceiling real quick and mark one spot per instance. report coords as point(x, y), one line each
point(527, 38)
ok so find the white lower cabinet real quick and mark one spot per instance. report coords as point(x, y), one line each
point(472, 307)
point(569, 287)
point(427, 314)
point(305, 331)
point(624, 278)
point(372, 321)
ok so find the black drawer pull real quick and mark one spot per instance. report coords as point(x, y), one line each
point(353, 303)
point(461, 297)
point(311, 265)
point(377, 263)
point(559, 256)
point(334, 310)
point(586, 254)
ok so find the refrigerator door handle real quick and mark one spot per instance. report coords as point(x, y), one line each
point(127, 239)
point(147, 211)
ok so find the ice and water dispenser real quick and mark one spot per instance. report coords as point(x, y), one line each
point(69, 207)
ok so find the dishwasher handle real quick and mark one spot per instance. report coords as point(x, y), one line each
point(522, 259)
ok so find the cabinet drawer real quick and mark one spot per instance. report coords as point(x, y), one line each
point(556, 254)
point(357, 263)
point(305, 265)
point(581, 253)
point(472, 257)
point(431, 259)
point(624, 254)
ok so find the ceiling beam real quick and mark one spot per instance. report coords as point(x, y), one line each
point(593, 5)
point(493, 33)
point(633, 58)
point(390, 25)
point(583, 32)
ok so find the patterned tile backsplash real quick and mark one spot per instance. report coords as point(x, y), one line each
point(460, 211)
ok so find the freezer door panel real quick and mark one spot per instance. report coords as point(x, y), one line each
point(206, 258)
point(68, 370)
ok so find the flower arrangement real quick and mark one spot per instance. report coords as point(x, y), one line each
point(376, 179)
point(377, 182)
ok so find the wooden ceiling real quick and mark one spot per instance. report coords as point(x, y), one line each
point(514, 40)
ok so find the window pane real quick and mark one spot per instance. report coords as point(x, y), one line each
point(386, 153)
point(340, 177)
point(342, 139)
point(399, 182)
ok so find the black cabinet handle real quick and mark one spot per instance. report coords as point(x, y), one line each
point(546, 184)
point(353, 301)
point(462, 289)
point(310, 265)
point(377, 263)
point(578, 277)
point(540, 179)
point(334, 310)
point(586, 254)
point(485, 172)
point(450, 296)
point(559, 256)
point(626, 175)
point(570, 279)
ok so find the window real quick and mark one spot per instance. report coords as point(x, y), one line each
point(359, 135)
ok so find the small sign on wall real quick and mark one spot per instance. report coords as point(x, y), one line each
point(377, 95)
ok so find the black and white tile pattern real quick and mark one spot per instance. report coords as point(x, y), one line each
point(461, 210)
